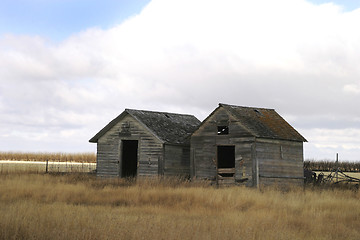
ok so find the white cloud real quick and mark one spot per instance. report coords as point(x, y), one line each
point(325, 143)
point(187, 56)
point(352, 88)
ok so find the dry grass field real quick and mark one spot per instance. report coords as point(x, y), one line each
point(328, 165)
point(79, 206)
point(56, 162)
point(8, 166)
point(53, 157)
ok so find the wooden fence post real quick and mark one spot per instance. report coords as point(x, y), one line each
point(47, 164)
point(337, 167)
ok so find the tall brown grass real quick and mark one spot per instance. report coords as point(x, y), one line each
point(80, 206)
point(55, 157)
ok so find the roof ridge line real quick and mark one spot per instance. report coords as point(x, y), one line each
point(181, 114)
point(231, 105)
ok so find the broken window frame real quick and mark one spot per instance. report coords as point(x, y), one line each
point(222, 130)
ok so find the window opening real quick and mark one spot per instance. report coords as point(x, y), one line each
point(223, 130)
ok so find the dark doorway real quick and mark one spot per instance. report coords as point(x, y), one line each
point(226, 156)
point(129, 158)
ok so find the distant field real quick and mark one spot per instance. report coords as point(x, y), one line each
point(327, 165)
point(80, 206)
point(7, 166)
point(52, 157)
point(57, 162)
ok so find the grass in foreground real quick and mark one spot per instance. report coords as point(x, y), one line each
point(78, 206)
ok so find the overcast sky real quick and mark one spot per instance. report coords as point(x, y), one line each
point(68, 67)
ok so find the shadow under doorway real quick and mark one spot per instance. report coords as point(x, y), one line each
point(129, 158)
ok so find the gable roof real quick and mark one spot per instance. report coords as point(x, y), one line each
point(170, 128)
point(262, 122)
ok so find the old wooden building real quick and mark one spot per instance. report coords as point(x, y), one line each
point(145, 143)
point(245, 145)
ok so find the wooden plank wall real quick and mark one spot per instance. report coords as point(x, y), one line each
point(107, 158)
point(243, 161)
point(204, 144)
point(150, 149)
point(177, 160)
point(203, 159)
point(278, 158)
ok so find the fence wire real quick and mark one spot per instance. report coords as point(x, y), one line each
point(48, 166)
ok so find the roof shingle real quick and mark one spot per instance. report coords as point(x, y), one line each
point(265, 123)
point(171, 128)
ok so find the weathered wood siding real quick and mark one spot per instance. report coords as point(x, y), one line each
point(107, 157)
point(279, 161)
point(204, 142)
point(150, 149)
point(261, 161)
point(177, 160)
